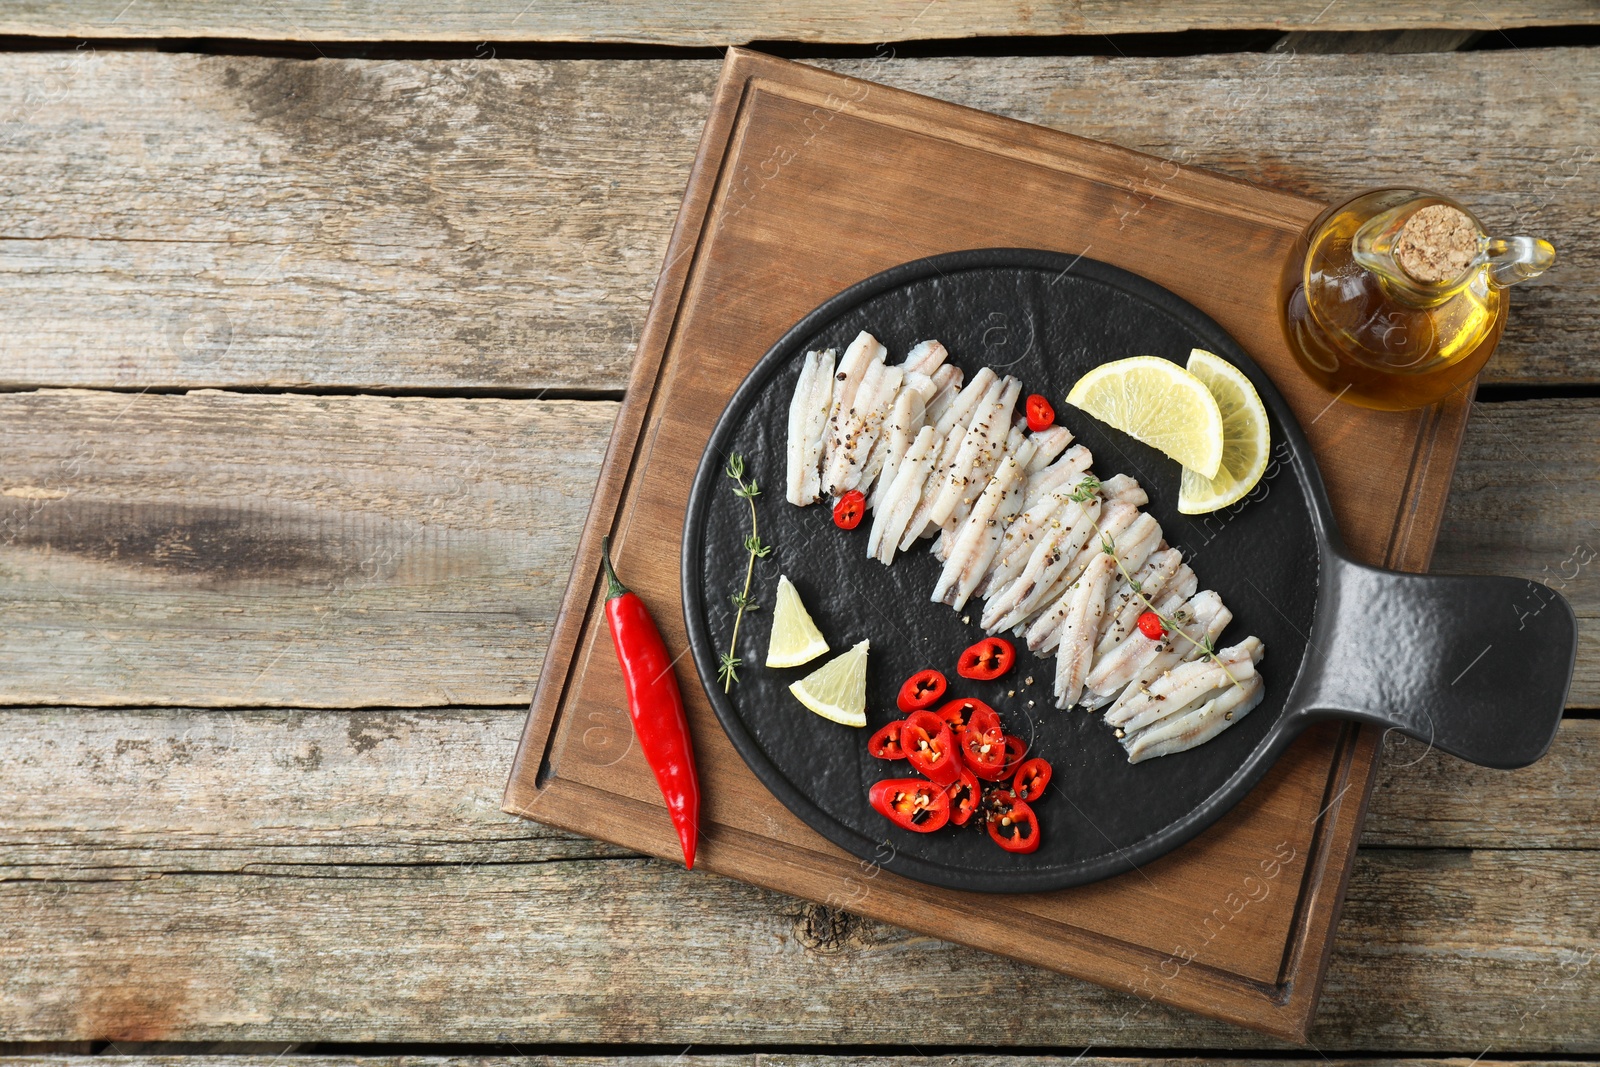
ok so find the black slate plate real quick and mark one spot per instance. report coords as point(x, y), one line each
point(1276, 560)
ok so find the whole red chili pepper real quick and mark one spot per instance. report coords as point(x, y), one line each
point(655, 705)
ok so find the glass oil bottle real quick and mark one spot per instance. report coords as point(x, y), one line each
point(1397, 298)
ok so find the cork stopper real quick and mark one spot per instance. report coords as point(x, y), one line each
point(1436, 244)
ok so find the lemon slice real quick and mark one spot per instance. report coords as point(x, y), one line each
point(795, 638)
point(1159, 403)
point(1246, 440)
point(837, 690)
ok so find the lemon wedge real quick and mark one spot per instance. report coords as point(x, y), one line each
point(837, 690)
point(1159, 403)
point(795, 638)
point(1246, 440)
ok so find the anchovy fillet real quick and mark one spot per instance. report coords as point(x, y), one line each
point(1068, 562)
point(808, 423)
point(862, 353)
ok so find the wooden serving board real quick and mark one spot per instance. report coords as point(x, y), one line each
point(805, 183)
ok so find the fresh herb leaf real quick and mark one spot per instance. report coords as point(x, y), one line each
point(728, 669)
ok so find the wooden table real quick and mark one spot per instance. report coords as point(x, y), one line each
point(309, 366)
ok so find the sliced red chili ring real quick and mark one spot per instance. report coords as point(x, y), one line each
point(847, 513)
point(984, 718)
point(987, 660)
point(965, 794)
point(1041, 416)
point(1012, 824)
point(885, 744)
point(1031, 779)
point(960, 714)
point(911, 803)
point(1016, 752)
point(985, 752)
point(922, 690)
point(930, 747)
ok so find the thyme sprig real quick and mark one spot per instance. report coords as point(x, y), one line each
point(1085, 491)
point(729, 664)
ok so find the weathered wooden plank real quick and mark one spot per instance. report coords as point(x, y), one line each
point(193, 221)
point(198, 797)
point(705, 23)
point(1274, 120)
point(215, 548)
point(219, 222)
point(1425, 799)
point(688, 1058)
point(1434, 945)
point(139, 791)
point(232, 806)
point(1523, 502)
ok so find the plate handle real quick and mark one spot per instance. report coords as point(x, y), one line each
point(1478, 667)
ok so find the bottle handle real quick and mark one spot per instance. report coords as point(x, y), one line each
point(1516, 259)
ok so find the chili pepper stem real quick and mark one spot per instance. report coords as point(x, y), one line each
point(655, 704)
point(614, 588)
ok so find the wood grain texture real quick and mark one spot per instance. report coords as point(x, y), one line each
point(1425, 799)
point(144, 790)
point(1272, 120)
point(479, 224)
point(214, 548)
point(805, 181)
point(1434, 945)
point(689, 1058)
point(369, 844)
point(704, 23)
point(221, 539)
point(224, 221)
point(1523, 502)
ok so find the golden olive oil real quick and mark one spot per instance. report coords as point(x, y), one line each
point(1389, 306)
